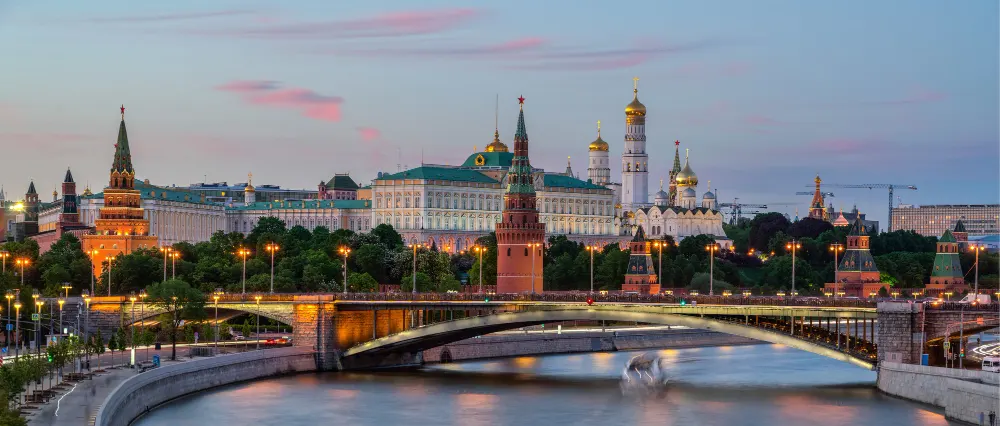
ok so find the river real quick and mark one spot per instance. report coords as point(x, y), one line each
point(740, 385)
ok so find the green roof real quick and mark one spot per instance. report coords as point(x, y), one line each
point(153, 192)
point(123, 156)
point(489, 159)
point(858, 228)
point(960, 226)
point(562, 181)
point(947, 265)
point(947, 237)
point(856, 260)
point(342, 182)
point(304, 204)
point(440, 173)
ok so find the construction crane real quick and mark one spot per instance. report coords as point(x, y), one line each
point(891, 187)
point(738, 209)
point(824, 194)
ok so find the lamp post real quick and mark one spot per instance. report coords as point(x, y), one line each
point(836, 248)
point(533, 247)
point(344, 251)
point(4, 254)
point(794, 246)
point(272, 248)
point(257, 300)
point(592, 249)
point(215, 297)
point(242, 252)
point(142, 319)
point(111, 260)
point(66, 287)
point(93, 265)
point(86, 319)
point(132, 299)
point(173, 264)
point(17, 328)
point(9, 295)
point(166, 253)
point(22, 262)
point(38, 325)
point(480, 250)
point(711, 249)
point(61, 302)
point(977, 248)
point(414, 247)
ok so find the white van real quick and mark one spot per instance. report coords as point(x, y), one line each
point(991, 363)
point(980, 299)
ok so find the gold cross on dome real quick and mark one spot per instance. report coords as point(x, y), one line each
point(635, 83)
point(598, 127)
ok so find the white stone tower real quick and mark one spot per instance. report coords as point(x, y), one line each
point(599, 171)
point(635, 167)
point(249, 193)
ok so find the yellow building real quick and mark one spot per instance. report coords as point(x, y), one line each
point(121, 227)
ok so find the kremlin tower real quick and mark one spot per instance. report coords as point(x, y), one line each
point(635, 167)
point(946, 274)
point(672, 177)
point(520, 235)
point(816, 210)
point(120, 226)
point(640, 276)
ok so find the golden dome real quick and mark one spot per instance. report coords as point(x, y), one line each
point(249, 187)
point(686, 177)
point(598, 144)
point(496, 145)
point(635, 107)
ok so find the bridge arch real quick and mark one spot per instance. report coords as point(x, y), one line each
point(278, 312)
point(434, 335)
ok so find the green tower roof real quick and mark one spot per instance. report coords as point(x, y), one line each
point(947, 237)
point(69, 176)
point(960, 226)
point(123, 157)
point(31, 188)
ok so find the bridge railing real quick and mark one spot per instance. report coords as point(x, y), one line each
point(608, 298)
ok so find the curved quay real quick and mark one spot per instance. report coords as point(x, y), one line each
point(144, 392)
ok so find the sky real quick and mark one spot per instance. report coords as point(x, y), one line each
point(765, 94)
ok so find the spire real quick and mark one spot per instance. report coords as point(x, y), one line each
point(2, 197)
point(677, 157)
point(661, 184)
point(31, 189)
point(522, 132)
point(123, 157)
point(69, 176)
point(519, 177)
point(569, 167)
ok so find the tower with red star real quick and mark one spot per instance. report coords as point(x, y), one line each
point(520, 235)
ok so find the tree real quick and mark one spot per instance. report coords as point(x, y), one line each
point(763, 227)
point(371, 260)
point(267, 229)
point(809, 228)
point(387, 236)
point(701, 283)
point(695, 246)
point(180, 300)
point(112, 346)
point(361, 283)
point(97, 346)
point(424, 283)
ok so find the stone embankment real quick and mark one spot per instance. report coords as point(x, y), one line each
point(966, 395)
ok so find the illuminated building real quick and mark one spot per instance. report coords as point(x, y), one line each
point(640, 277)
point(857, 275)
point(932, 220)
point(946, 274)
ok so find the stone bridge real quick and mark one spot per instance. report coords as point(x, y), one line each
point(373, 330)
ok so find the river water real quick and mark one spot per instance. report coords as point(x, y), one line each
point(741, 385)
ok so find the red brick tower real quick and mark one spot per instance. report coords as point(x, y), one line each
point(640, 276)
point(519, 235)
point(69, 215)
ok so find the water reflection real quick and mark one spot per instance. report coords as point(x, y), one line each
point(752, 385)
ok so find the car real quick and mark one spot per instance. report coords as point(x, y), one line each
point(270, 341)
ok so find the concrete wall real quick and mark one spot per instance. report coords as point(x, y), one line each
point(964, 394)
point(144, 391)
point(516, 344)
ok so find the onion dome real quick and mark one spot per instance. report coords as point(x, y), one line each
point(87, 192)
point(708, 196)
point(635, 107)
point(686, 177)
point(496, 145)
point(689, 193)
point(662, 198)
point(599, 144)
point(249, 187)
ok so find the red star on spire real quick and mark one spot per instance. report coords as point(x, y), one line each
point(677, 143)
point(123, 109)
point(520, 100)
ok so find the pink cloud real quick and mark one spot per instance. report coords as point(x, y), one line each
point(268, 93)
point(394, 24)
point(493, 51)
point(173, 17)
point(917, 97)
point(369, 134)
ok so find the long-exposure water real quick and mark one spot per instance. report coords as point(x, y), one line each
point(725, 386)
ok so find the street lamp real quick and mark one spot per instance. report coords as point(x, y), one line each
point(746, 293)
point(659, 268)
point(61, 301)
point(414, 247)
point(142, 319)
point(344, 251)
point(4, 254)
point(272, 248)
point(111, 260)
point(836, 248)
point(242, 252)
point(22, 262)
point(533, 247)
point(948, 294)
point(166, 253)
point(17, 328)
point(9, 295)
point(257, 300)
point(895, 294)
point(480, 250)
point(711, 249)
point(794, 246)
point(173, 264)
point(38, 324)
point(132, 299)
point(977, 248)
point(592, 249)
point(66, 287)
point(215, 297)
point(93, 265)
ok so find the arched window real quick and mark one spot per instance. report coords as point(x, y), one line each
point(508, 251)
point(526, 251)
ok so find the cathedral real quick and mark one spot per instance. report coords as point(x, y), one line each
point(677, 211)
